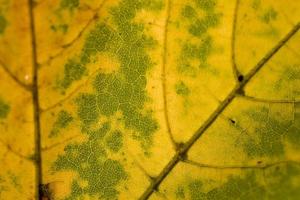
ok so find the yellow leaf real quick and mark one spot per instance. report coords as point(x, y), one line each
point(149, 99)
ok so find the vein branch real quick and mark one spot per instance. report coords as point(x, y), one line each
point(233, 41)
point(164, 85)
point(257, 166)
point(11, 150)
point(64, 47)
point(47, 148)
point(181, 153)
point(272, 101)
point(19, 82)
point(70, 95)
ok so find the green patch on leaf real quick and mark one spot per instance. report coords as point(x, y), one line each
point(199, 28)
point(90, 158)
point(256, 4)
point(206, 5)
point(60, 27)
point(278, 184)
point(182, 89)
point(115, 141)
point(63, 120)
point(154, 5)
point(188, 12)
point(293, 132)
point(202, 25)
point(73, 71)
point(123, 90)
point(4, 109)
point(267, 140)
point(269, 15)
point(69, 4)
point(3, 24)
point(180, 194)
point(87, 108)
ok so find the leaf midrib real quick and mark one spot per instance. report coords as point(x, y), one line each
point(36, 104)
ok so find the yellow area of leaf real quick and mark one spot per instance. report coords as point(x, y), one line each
point(15, 56)
point(260, 25)
point(142, 99)
point(17, 142)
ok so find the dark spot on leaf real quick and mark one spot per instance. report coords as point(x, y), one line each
point(232, 121)
point(259, 162)
point(4, 109)
point(240, 78)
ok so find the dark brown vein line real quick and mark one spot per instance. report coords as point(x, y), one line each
point(181, 153)
point(20, 83)
point(258, 166)
point(77, 37)
point(233, 41)
point(273, 101)
point(164, 65)
point(36, 106)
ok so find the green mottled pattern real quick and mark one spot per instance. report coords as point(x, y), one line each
point(115, 141)
point(293, 132)
point(207, 5)
point(63, 120)
point(73, 71)
point(69, 4)
point(182, 89)
point(189, 12)
point(198, 27)
point(123, 90)
point(278, 184)
point(180, 192)
point(269, 15)
point(4, 109)
point(2, 185)
point(90, 158)
point(268, 137)
point(87, 111)
point(256, 4)
point(60, 27)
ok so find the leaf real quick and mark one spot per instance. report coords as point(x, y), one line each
point(140, 99)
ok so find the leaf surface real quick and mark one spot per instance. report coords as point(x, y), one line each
point(140, 99)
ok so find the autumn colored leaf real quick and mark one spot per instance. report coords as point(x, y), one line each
point(149, 99)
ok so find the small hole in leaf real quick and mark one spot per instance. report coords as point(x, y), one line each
point(240, 78)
